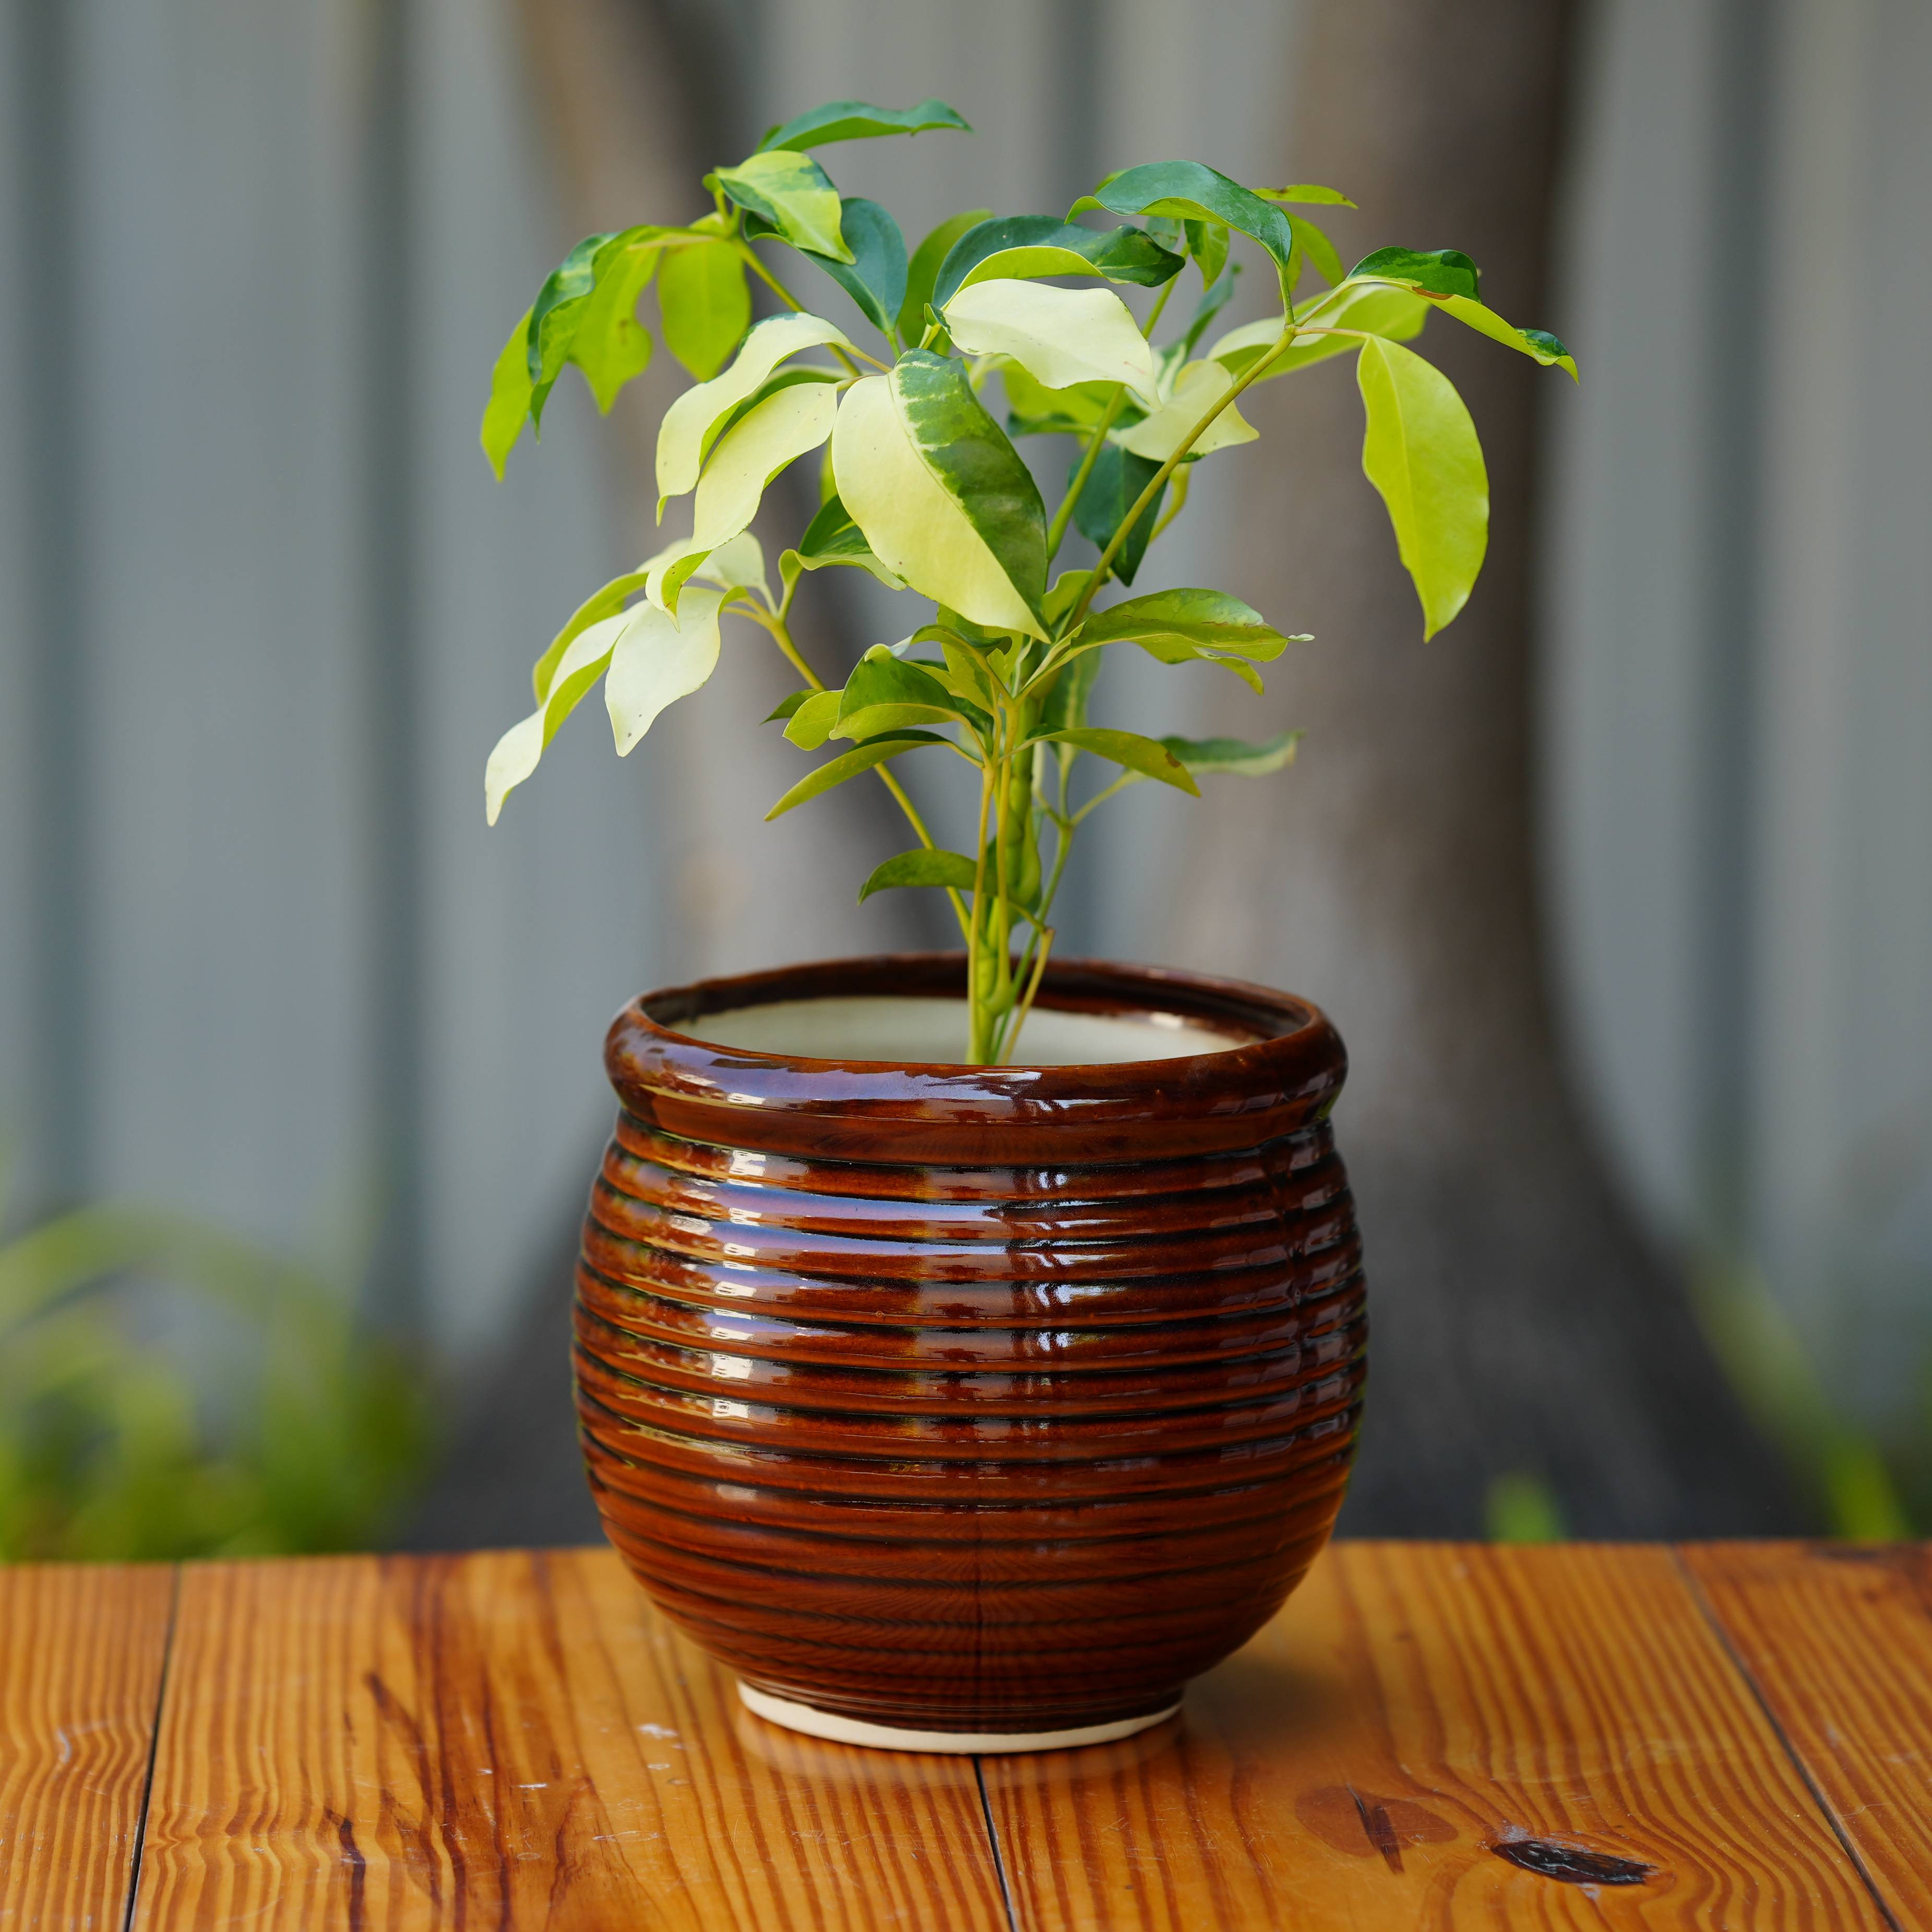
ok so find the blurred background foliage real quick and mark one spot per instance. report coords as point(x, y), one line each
point(167, 1390)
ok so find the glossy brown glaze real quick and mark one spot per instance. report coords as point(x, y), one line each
point(971, 1398)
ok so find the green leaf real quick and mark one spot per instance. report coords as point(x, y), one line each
point(1443, 271)
point(1233, 758)
point(555, 314)
point(1112, 486)
point(967, 672)
point(1023, 245)
point(1199, 386)
point(583, 314)
point(1544, 346)
point(1059, 336)
point(1315, 245)
point(942, 495)
point(1307, 195)
point(924, 272)
point(860, 120)
point(922, 868)
point(1376, 308)
point(811, 725)
point(658, 658)
point(1451, 289)
point(1419, 450)
point(1188, 191)
point(705, 303)
point(1207, 243)
point(1147, 756)
point(698, 415)
point(832, 537)
point(1034, 409)
point(876, 279)
point(1064, 707)
point(610, 344)
point(787, 707)
point(792, 192)
point(885, 693)
point(1213, 299)
point(850, 764)
point(1175, 625)
point(1537, 344)
point(1068, 587)
point(509, 397)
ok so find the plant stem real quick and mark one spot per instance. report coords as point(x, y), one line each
point(1176, 504)
point(790, 301)
point(1120, 784)
point(1033, 987)
point(977, 1015)
point(1042, 933)
point(1057, 529)
point(781, 635)
point(1167, 289)
point(1252, 374)
point(1002, 909)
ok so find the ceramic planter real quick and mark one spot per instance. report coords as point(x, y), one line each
point(970, 1407)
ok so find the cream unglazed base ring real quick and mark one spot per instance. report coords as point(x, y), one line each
point(887, 1737)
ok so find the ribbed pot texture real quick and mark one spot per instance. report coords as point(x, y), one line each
point(971, 1399)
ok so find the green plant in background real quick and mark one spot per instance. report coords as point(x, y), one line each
point(1840, 1464)
point(1842, 1471)
point(924, 489)
point(1522, 1508)
point(108, 1447)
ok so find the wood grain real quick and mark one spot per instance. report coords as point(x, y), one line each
point(81, 1655)
point(516, 1740)
point(1413, 1709)
point(1838, 1639)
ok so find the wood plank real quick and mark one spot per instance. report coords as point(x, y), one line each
point(1413, 1709)
point(82, 1650)
point(1838, 1637)
point(515, 1739)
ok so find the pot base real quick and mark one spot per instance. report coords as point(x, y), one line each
point(887, 1737)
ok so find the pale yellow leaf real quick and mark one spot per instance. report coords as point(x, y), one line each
point(1059, 336)
point(658, 659)
point(688, 424)
point(1197, 387)
point(911, 521)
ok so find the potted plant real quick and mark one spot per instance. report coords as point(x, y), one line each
point(969, 1347)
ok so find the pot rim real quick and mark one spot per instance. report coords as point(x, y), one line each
point(1098, 986)
point(1287, 1073)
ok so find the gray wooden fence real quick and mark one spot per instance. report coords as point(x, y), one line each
point(262, 611)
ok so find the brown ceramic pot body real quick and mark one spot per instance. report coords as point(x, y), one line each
point(971, 1399)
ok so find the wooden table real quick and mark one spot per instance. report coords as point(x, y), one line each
point(1728, 1735)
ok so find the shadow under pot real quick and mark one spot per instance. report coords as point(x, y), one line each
point(965, 1408)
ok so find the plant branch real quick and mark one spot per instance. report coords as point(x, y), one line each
point(1253, 373)
point(781, 635)
point(1176, 504)
point(1167, 288)
point(1025, 1007)
point(1100, 798)
point(790, 301)
point(975, 941)
point(1056, 530)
